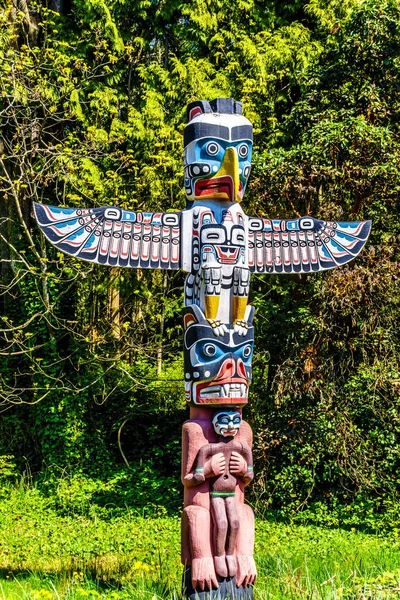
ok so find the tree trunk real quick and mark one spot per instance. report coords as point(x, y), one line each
point(114, 304)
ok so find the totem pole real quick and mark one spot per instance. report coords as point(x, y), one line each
point(219, 247)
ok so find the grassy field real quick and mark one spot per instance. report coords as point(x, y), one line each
point(46, 556)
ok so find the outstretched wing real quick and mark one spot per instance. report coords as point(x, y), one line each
point(303, 245)
point(112, 236)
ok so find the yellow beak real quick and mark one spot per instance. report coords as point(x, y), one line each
point(230, 168)
point(225, 183)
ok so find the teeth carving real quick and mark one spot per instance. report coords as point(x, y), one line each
point(227, 390)
point(211, 391)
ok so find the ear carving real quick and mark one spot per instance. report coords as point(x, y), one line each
point(188, 320)
point(198, 107)
point(193, 315)
point(194, 112)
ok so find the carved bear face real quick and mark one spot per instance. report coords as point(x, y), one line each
point(217, 369)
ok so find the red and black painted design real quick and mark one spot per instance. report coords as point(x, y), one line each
point(303, 245)
point(114, 237)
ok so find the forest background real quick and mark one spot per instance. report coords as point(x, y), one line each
point(92, 110)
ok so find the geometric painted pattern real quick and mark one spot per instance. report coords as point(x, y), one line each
point(112, 236)
point(303, 245)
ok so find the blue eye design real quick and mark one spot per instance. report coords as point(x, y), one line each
point(243, 150)
point(206, 352)
point(209, 350)
point(212, 148)
point(247, 350)
point(245, 353)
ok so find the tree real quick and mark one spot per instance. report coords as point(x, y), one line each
point(333, 343)
point(92, 106)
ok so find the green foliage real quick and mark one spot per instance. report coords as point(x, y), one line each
point(329, 434)
point(7, 467)
point(46, 555)
point(92, 105)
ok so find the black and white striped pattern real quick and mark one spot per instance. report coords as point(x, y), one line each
point(112, 236)
point(303, 245)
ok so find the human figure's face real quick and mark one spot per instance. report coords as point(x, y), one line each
point(227, 423)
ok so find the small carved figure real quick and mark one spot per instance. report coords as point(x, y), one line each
point(236, 458)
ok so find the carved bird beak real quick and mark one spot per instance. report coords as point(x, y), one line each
point(225, 184)
point(230, 168)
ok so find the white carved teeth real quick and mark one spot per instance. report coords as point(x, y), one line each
point(234, 390)
point(211, 391)
point(227, 390)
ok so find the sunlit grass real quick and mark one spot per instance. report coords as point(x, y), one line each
point(45, 556)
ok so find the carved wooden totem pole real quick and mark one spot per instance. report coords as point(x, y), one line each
point(219, 247)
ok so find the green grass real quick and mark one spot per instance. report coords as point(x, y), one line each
point(46, 556)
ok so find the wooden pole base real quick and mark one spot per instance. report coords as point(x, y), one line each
point(227, 590)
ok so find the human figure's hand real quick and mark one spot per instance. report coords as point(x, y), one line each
point(246, 570)
point(199, 477)
point(237, 464)
point(215, 466)
point(203, 573)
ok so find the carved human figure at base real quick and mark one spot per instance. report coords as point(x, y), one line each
point(236, 462)
point(217, 527)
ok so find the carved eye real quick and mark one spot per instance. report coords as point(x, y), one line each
point(306, 223)
point(209, 349)
point(113, 213)
point(236, 421)
point(212, 148)
point(237, 236)
point(247, 351)
point(211, 235)
point(243, 150)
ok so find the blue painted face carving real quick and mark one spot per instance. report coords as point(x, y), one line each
point(218, 149)
point(203, 160)
point(217, 371)
point(227, 423)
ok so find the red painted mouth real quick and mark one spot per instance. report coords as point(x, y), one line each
point(227, 256)
point(229, 432)
point(226, 391)
point(215, 185)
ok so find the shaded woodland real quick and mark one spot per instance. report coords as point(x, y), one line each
point(92, 109)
